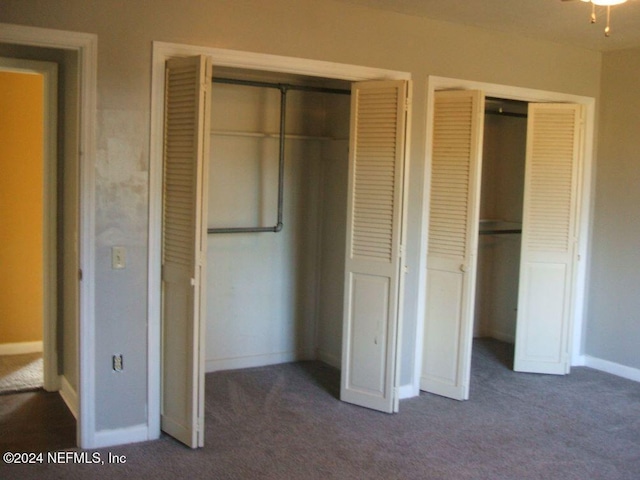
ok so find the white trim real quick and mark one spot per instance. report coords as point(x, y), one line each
point(69, 395)
point(578, 361)
point(20, 348)
point(223, 58)
point(250, 361)
point(276, 63)
point(86, 46)
point(528, 95)
point(49, 72)
point(120, 436)
point(613, 368)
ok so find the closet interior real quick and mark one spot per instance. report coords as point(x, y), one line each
point(501, 206)
point(276, 296)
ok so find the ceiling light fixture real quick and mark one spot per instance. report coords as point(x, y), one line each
point(603, 3)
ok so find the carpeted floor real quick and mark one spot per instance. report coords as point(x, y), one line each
point(36, 421)
point(285, 422)
point(20, 373)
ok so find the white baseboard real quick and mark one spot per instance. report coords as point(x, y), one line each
point(408, 391)
point(250, 361)
point(69, 395)
point(578, 361)
point(121, 436)
point(612, 368)
point(20, 348)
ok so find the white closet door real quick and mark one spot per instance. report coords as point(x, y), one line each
point(453, 242)
point(548, 238)
point(373, 260)
point(187, 99)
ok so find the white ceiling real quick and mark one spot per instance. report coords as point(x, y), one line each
point(553, 20)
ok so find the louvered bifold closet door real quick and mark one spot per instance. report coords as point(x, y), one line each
point(187, 98)
point(547, 265)
point(453, 241)
point(373, 258)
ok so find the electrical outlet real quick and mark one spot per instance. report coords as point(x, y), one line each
point(118, 258)
point(117, 362)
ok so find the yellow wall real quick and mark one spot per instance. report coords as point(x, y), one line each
point(21, 203)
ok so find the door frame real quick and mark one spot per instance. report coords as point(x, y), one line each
point(85, 45)
point(585, 196)
point(222, 58)
point(49, 72)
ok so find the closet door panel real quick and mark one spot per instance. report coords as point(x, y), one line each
point(445, 294)
point(184, 238)
point(547, 269)
point(545, 305)
point(453, 242)
point(374, 243)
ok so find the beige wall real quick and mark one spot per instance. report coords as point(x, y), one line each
point(613, 325)
point(321, 30)
point(21, 204)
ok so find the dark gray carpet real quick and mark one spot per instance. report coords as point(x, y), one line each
point(35, 422)
point(285, 422)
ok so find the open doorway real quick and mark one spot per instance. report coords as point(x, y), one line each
point(27, 235)
point(74, 53)
point(40, 306)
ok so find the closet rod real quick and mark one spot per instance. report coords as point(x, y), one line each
point(280, 86)
point(505, 114)
point(284, 88)
point(499, 232)
point(278, 226)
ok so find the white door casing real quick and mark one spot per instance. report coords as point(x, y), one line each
point(374, 243)
point(187, 100)
point(549, 238)
point(227, 58)
point(453, 242)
